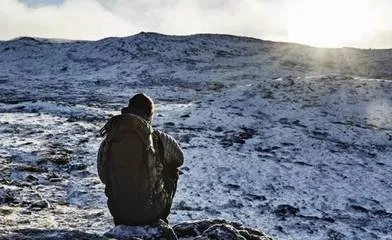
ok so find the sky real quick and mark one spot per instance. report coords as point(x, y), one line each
point(324, 23)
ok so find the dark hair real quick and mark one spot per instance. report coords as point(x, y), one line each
point(141, 105)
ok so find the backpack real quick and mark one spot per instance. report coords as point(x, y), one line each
point(129, 161)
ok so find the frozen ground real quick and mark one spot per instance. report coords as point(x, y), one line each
point(292, 140)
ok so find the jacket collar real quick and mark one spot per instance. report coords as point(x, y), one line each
point(128, 110)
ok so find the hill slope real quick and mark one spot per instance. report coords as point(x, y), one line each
point(287, 138)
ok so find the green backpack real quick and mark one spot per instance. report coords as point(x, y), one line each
point(130, 170)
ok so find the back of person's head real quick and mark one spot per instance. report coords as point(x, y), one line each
point(141, 105)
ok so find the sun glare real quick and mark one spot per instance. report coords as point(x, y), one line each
point(328, 23)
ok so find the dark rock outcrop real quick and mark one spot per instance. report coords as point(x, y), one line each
point(217, 229)
point(197, 230)
point(200, 230)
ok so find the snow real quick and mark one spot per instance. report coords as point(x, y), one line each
point(262, 124)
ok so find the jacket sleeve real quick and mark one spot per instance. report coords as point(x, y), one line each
point(101, 163)
point(173, 154)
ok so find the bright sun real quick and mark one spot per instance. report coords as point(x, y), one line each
point(328, 23)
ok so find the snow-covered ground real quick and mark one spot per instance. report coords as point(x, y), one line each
point(292, 140)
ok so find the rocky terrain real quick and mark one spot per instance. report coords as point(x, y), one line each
point(288, 139)
point(198, 230)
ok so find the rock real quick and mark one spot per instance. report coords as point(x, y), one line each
point(77, 167)
point(160, 230)
point(335, 235)
point(286, 210)
point(216, 86)
point(217, 229)
point(6, 211)
point(7, 196)
point(239, 137)
point(40, 204)
point(218, 129)
point(359, 208)
point(221, 231)
point(185, 115)
point(31, 178)
point(185, 168)
point(31, 168)
point(169, 124)
point(233, 186)
point(255, 197)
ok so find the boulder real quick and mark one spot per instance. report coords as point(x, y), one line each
point(217, 229)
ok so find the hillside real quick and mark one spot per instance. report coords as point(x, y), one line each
point(293, 140)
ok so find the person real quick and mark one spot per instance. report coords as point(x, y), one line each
point(138, 165)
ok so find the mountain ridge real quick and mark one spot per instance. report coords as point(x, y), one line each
point(243, 37)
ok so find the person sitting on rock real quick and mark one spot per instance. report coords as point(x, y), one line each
point(138, 165)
